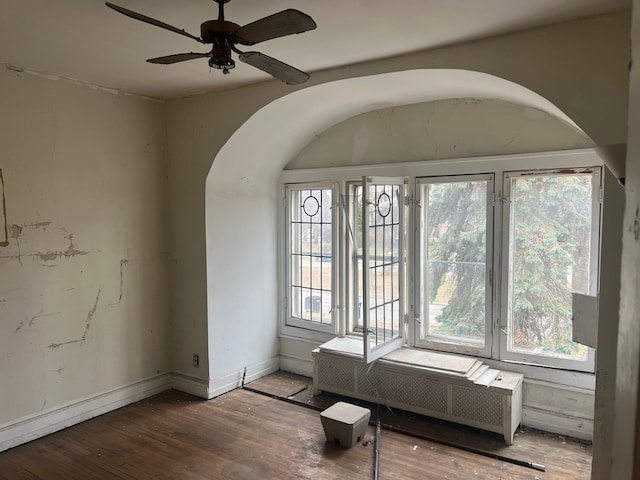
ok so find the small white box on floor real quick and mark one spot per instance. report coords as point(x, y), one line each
point(344, 423)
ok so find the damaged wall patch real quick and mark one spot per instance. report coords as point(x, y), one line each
point(87, 326)
point(4, 241)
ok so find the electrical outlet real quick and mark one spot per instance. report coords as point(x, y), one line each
point(196, 360)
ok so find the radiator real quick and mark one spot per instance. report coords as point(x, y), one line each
point(483, 398)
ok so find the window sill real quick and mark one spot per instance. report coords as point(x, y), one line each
point(565, 379)
point(305, 334)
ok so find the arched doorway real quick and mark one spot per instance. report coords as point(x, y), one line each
point(242, 205)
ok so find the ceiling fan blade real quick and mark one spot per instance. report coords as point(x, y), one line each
point(277, 25)
point(151, 21)
point(178, 57)
point(275, 68)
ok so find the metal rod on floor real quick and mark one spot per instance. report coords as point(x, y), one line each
point(376, 468)
point(244, 375)
point(299, 391)
point(284, 399)
point(467, 448)
point(391, 428)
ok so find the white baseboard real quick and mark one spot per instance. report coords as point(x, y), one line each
point(191, 385)
point(231, 381)
point(556, 422)
point(35, 426)
point(299, 366)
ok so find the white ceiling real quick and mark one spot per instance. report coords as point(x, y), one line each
point(87, 41)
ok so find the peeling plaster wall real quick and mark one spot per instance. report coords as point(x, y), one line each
point(625, 446)
point(608, 308)
point(83, 283)
point(580, 66)
point(455, 128)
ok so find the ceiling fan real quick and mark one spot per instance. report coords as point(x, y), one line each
point(224, 36)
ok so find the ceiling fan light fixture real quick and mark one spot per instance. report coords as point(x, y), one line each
point(226, 64)
point(221, 57)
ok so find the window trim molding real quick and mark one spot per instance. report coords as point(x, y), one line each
point(446, 167)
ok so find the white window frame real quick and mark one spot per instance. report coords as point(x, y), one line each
point(290, 319)
point(373, 352)
point(498, 165)
point(453, 345)
point(547, 359)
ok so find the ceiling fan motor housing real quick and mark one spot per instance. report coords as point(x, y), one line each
point(213, 29)
point(218, 33)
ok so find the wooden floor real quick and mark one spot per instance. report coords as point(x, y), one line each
point(246, 435)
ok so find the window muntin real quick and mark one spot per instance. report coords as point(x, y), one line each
point(311, 256)
point(455, 263)
point(551, 246)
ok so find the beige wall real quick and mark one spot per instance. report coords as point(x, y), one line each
point(454, 128)
point(83, 286)
point(579, 66)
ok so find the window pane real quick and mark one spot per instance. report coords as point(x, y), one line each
point(454, 261)
point(311, 254)
point(550, 257)
point(383, 240)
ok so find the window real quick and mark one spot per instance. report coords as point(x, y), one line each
point(467, 257)
point(382, 216)
point(310, 257)
point(551, 244)
point(454, 241)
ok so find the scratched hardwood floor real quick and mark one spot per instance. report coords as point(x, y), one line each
point(244, 435)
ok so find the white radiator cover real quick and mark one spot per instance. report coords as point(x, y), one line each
point(496, 406)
